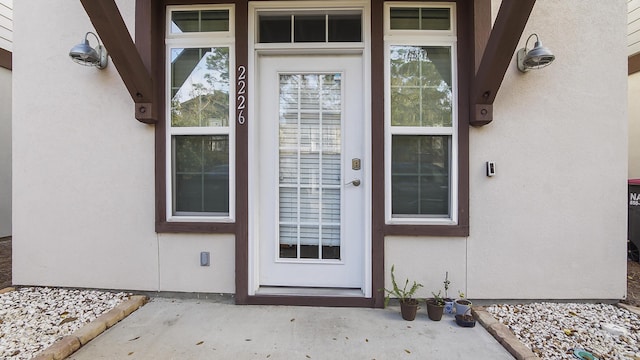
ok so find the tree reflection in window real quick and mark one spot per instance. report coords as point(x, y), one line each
point(200, 87)
point(421, 86)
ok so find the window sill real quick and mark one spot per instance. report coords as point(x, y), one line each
point(426, 221)
point(199, 219)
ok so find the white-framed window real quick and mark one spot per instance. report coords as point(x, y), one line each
point(421, 121)
point(200, 103)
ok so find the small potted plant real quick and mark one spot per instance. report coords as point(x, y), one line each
point(466, 319)
point(462, 305)
point(448, 302)
point(435, 307)
point(408, 304)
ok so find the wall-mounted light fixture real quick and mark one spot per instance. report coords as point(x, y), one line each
point(536, 58)
point(85, 55)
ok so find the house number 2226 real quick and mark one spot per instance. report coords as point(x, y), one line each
point(242, 90)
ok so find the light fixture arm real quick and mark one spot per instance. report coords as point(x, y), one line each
point(94, 35)
point(526, 44)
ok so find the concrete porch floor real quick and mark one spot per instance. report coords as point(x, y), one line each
point(208, 329)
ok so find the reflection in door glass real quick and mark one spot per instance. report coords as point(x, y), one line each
point(310, 166)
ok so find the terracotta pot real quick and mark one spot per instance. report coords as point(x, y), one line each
point(434, 311)
point(409, 308)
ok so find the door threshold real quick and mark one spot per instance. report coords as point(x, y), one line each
point(309, 291)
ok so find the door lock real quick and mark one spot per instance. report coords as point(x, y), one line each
point(355, 164)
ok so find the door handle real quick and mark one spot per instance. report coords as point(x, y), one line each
point(354, 182)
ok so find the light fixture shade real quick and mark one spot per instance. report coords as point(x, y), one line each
point(85, 55)
point(536, 58)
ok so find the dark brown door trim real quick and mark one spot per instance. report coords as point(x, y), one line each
point(377, 151)
point(242, 160)
point(377, 261)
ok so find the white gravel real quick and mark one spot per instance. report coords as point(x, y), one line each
point(33, 318)
point(553, 330)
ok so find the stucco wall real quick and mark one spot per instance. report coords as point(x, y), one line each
point(552, 222)
point(427, 260)
point(83, 166)
point(84, 171)
point(180, 268)
point(634, 126)
point(5, 152)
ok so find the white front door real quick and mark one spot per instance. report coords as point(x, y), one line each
point(311, 194)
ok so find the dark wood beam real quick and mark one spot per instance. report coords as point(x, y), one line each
point(634, 64)
point(145, 24)
point(503, 40)
point(6, 59)
point(377, 152)
point(108, 22)
point(242, 159)
point(481, 29)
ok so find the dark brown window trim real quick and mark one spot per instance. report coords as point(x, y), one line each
point(465, 21)
point(157, 36)
point(196, 227)
point(6, 59)
point(427, 230)
point(634, 64)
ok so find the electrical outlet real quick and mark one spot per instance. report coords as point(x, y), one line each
point(205, 258)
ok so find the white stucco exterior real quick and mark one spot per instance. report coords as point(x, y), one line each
point(559, 143)
point(5, 152)
point(550, 224)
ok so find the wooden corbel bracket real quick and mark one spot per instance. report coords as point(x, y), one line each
point(482, 115)
point(110, 26)
point(496, 57)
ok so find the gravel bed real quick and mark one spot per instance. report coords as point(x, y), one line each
point(554, 330)
point(33, 318)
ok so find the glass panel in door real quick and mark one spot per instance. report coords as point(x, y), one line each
point(309, 185)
